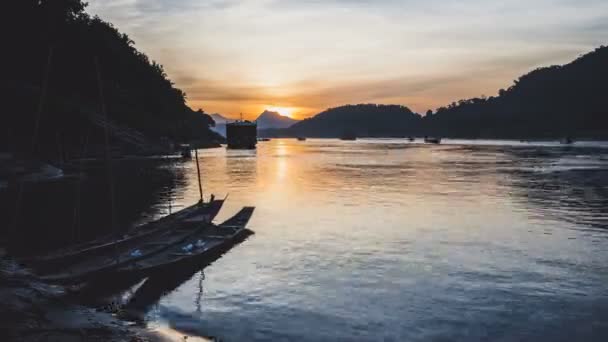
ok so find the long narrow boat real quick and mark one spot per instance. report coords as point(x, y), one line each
point(65, 257)
point(206, 243)
point(103, 264)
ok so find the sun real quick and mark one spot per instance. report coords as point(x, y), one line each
point(285, 111)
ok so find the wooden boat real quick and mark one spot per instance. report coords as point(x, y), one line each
point(206, 243)
point(114, 254)
point(301, 138)
point(50, 262)
point(103, 265)
point(431, 140)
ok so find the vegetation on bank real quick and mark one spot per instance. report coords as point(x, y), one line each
point(55, 68)
point(361, 119)
point(549, 102)
point(554, 101)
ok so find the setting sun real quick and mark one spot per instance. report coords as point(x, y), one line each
point(285, 111)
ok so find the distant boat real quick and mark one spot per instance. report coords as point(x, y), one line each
point(431, 140)
point(186, 151)
point(241, 134)
point(263, 139)
point(411, 138)
point(567, 141)
point(301, 138)
point(348, 136)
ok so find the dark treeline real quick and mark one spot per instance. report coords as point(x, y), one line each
point(549, 102)
point(361, 119)
point(554, 101)
point(54, 46)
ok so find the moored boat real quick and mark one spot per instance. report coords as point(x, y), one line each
point(96, 265)
point(64, 257)
point(241, 134)
point(301, 138)
point(205, 243)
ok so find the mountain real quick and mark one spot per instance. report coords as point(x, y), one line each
point(269, 119)
point(363, 120)
point(551, 102)
point(220, 124)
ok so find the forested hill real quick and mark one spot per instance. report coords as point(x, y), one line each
point(56, 52)
point(551, 102)
point(556, 101)
point(361, 120)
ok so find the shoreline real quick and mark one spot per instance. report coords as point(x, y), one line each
point(34, 311)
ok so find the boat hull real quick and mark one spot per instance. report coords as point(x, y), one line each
point(91, 249)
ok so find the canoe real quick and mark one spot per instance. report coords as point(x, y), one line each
point(64, 257)
point(204, 244)
point(99, 265)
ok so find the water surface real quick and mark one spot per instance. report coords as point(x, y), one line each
point(387, 240)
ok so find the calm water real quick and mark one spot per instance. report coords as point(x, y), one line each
point(386, 240)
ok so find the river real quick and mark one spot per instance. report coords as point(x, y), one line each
point(383, 239)
point(388, 240)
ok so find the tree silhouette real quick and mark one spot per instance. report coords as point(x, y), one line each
point(138, 92)
point(551, 102)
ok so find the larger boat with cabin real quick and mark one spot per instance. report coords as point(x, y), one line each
point(242, 134)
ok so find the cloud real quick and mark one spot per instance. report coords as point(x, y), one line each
point(239, 54)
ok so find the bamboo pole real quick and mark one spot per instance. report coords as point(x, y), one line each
point(198, 172)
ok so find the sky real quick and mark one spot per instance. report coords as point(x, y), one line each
point(303, 56)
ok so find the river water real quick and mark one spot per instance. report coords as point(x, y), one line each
point(395, 241)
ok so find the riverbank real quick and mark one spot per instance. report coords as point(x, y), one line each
point(35, 311)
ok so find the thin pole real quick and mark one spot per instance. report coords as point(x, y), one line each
point(43, 92)
point(41, 102)
point(78, 205)
point(108, 155)
point(198, 172)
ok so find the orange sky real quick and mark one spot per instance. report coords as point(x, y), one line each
point(243, 56)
